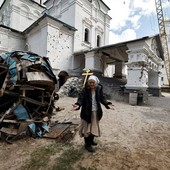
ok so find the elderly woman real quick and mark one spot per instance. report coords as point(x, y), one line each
point(91, 112)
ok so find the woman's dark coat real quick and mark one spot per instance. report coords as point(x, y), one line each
point(85, 101)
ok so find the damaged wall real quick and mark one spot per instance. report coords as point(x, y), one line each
point(60, 47)
point(144, 66)
point(91, 15)
point(54, 40)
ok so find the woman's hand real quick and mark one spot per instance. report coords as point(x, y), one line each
point(111, 106)
point(75, 107)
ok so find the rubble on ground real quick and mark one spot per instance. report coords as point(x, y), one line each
point(71, 88)
point(27, 95)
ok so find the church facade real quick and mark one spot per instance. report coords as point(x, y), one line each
point(54, 28)
point(74, 34)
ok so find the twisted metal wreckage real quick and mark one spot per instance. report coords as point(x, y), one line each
point(27, 94)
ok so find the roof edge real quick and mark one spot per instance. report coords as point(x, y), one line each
point(2, 4)
point(4, 26)
point(42, 17)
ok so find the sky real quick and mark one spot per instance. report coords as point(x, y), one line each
point(133, 19)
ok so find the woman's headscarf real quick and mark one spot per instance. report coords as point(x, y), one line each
point(95, 78)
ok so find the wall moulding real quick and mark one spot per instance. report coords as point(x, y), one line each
point(87, 21)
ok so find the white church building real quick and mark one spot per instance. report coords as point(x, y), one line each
point(74, 34)
point(56, 29)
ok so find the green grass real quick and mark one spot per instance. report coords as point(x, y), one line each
point(68, 159)
point(82, 168)
point(40, 158)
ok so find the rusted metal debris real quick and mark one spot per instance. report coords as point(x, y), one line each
point(27, 94)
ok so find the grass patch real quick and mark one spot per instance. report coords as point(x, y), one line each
point(82, 168)
point(68, 159)
point(41, 157)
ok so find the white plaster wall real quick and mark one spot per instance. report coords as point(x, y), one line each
point(89, 62)
point(60, 48)
point(54, 43)
point(107, 29)
point(82, 14)
point(23, 14)
point(98, 65)
point(4, 39)
point(154, 80)
point(67, 12)
point(134, 80)
point(164, 75)
point(37, 41)
point(5, 14)
point(10, 40)
point(93, 62)
point(87, 16)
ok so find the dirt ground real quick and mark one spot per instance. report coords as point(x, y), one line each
point(133, 138)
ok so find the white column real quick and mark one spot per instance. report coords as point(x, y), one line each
point(119, 69)
point(137, 77)
point(93, 62)
point(154, 83)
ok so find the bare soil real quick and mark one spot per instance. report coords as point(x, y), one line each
point(133, 138)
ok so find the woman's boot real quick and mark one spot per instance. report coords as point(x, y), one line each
point(92, 140)
point(88, 144)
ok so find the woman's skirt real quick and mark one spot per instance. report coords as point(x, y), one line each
point(92, 128)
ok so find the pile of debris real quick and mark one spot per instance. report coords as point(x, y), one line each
point(71, 88)
point(27, 94)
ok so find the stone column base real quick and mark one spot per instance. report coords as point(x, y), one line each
point(141, 96)
point(154, 91)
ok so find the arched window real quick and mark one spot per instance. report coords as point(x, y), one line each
point(98, 41)
point(86, 35)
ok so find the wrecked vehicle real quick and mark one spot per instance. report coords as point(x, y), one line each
point(27, 94)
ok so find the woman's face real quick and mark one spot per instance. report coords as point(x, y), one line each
point(92, 84)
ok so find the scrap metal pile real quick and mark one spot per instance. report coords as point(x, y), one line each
point(27, 94)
